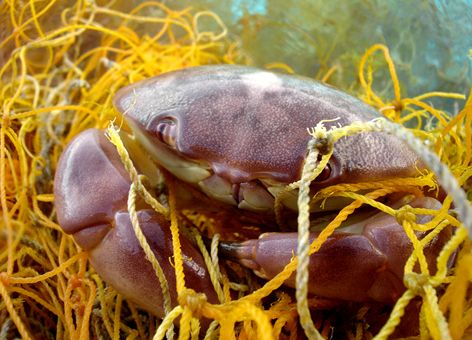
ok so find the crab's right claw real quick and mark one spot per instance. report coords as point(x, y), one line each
point(91, 192)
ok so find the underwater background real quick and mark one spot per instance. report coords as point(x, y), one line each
point(430, 41)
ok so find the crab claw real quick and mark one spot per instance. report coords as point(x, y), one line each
point(91, 191)
point(354, 266)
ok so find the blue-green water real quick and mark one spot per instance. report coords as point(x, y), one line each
point(430, 41)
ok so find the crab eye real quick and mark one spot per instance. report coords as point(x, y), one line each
point(325, 174)
point(166, 131)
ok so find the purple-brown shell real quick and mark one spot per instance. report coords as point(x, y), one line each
point(247, 123)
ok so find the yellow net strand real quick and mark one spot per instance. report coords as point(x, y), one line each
point(215, 264)
point(103, 304)
point(167, 322)
point(68, 307)
point(185, 324)
point(406, 218)
point(214, 273)
point(131, 170)
point(174, 228)
point(251, 312)
point(366, 85)
point(211, 332)
point(459, 288)
point(12, 312)
point(422, 181)
point(445, 177)
point(20, 29)
point(395, 316)
point(468, 130)
point(116, 318)
point(137, 319)
point(122, 67)
point(195, 329)
point(447, 252)
point(436, 113)
point(145, 19)
point(3, 130)
point(84, 330)
point(38, 299)
point(45, 276)
point(199, 36)
point(439, 324)
point(439, 94)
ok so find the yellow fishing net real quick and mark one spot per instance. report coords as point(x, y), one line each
point(61, 62)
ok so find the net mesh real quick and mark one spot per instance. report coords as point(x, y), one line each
point(62, 61)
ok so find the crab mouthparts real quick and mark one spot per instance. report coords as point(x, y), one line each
point(255, 195)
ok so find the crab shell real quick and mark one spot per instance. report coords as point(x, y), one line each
point(240, 133)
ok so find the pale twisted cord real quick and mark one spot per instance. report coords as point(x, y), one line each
point(167, 304)
point(137, 186)
point(447, 180)
point(214, 253)
point(448, 183)
point(212, 331)
point(395, 316)
point(167, 323)
point(114, 137)
point(302, 276)
point(213, 270)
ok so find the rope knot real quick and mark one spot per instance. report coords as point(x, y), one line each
point(192, 300)
point(417, 282)
point(405, 214)
point(322, 140)
point(6, 121)
point(4, 279)
point(398, 105)
point(324, 145)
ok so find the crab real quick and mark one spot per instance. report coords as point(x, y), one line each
point(234, 137)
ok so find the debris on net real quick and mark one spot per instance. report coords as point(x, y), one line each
point(61, 63)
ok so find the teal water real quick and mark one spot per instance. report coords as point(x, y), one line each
point(430, 41)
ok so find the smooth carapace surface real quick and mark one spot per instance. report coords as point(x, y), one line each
point(245, 123)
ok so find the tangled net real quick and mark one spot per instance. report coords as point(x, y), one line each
point(61, 64)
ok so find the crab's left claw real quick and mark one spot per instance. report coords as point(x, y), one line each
point(367, 265)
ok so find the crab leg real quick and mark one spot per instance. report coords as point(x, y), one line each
point(367, 265)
